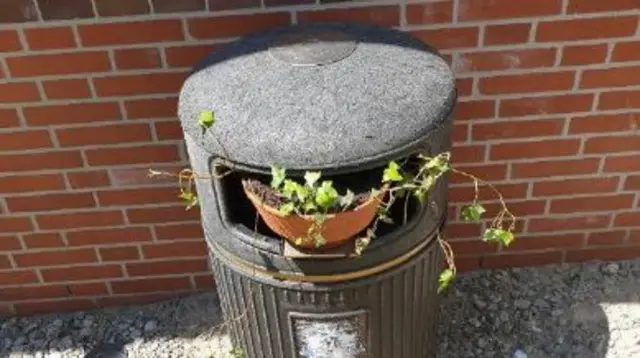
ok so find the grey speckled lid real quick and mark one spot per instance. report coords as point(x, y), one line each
point(326, 96)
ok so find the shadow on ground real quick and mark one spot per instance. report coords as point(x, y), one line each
point(588, 310)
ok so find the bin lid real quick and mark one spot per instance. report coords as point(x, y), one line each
point(332, 97)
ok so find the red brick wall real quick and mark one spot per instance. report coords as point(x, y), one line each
point(549, 111)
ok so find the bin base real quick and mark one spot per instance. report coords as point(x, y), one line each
point(388, 315)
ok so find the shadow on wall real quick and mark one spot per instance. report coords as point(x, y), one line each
point(584, 310)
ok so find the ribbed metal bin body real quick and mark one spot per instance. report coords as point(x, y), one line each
point(384, 316)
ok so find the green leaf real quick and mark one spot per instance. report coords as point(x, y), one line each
point(473, 212)
point(309, 206)
point(392, 173)
point(363, 241)
point(446, 277)
point(504, 237)
point(319, 240)
point(278, 175)
point(206, 119)
point(326, 195)
point(383, 215)
point(347, 199)
point(291, 187)
point(438, 164)
point(190, 199)
point(311, 178)
point(286, 209)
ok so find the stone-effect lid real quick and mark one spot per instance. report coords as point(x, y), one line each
point(331, 97)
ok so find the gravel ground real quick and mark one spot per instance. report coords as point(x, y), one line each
point(588, 310)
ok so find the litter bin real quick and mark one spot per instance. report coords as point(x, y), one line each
point(343, 99)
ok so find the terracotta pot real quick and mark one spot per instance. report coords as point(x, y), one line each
point(337, 229)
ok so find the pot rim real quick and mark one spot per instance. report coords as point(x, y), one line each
point(254, 198)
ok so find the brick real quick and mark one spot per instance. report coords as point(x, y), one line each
point(151, 285)
point(545, 105)
point(601, 123)
point(108, 8)
point(475, 109)
point(171, 6)
point(152, 108)
point(627, 163)
point(228, 5)
point(66, 89)
point(551, 168)
point(49, 38)
point(517, 129)
point(206, 282)
point(138, 196)
point(613, 77)
point(18, 92)
point(9, 41)
point(14, 224)
point(532, 82)
point(87, 289)
point(460, 194)
point(18, 11)
point(179, 231)
point(626, 51)
point(140, 176)
point(463, 230)
point(583, 54)
point(584, 29)
point(123, 253)
point(606, 237)
point(634, 236)
point(90, 179)
point(536, 149)
point(632, 182)
point(18, 277)
point(601, 253)
point(468, 153)
point(72, 113)
point(487, 172)
point(139, 58)
point(130, 32)
point(43, 240)
point(619, 99)
point(543, 242)
point(59, 64)
point(9, 118)
point(188, 56)
point(464, 86)
point(430, 13)
point(55, 258)
point(50, 202)
point(136, 299)
point(451, 38)
point(472, 247)
point(65, 9)
point(593, 203)
point(574, 223)
point(379, 15)
point(505, 9)
point(520, 260)
point(161, 215)
point(79, 220)
point(133, 155)
point(589, 185)
point(169, 130)
point(108, 236)
point(30, 139)
point(106, 134)
point(518, 208)
point(4, 260)
point(627, 219)
point(236, 25)
point(39, 161)
point(175, 249)
point(163, 268)
point(588, 6)
point(8, 243)
point(32, 292)
point(507, 34)
point(139, 84)
point(287, 2)
point(612, 144)
point(81, 273)
point(51, 306)
point(506, 60)
point(460, 133)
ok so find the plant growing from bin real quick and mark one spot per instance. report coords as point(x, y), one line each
point(318, 198)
